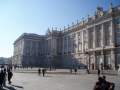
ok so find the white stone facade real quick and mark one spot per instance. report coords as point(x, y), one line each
point(93, 42)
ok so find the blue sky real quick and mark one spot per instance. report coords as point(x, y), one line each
point(35, 16)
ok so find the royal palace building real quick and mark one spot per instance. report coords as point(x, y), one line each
point(93, 42)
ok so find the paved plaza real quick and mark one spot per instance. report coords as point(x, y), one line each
point(32, 81)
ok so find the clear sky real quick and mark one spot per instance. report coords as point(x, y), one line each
point(35, 16)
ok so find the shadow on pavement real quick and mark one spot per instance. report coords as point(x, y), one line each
point(17, 86)
point(8, 88)
point(12, 87)
point(2, 89)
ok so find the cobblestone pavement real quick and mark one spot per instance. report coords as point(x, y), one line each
point(32, 81)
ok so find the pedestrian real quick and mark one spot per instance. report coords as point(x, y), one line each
point(75, 70)
point(102, 84)
point(39, 71)
point(99, 84)
point(108, 85)
point(5, 74)
point(10, 74)
point(1, 78)
point(98, 72)
point(43, 72)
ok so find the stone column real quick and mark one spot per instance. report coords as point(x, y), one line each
point(103, 44)
point(89, 37)
point(67, 45)
point(82, 38)
point(94, 37)
point(112, 33)
point(94, 55)
point(113, 59)
point(63, 45)
point(88, 58)
point(50, 45)
point(103, 59)
point(88, 43)
point(102, 35)
point(76, 42)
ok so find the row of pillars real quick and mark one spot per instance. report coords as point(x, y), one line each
point(92, 61)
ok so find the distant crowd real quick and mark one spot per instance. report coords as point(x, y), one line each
point(5, 75)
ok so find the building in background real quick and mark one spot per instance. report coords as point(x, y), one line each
point(38, 50)
point(93, 42)
point(5, 61)
point(28, 50)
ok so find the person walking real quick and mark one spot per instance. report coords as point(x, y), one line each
point(43, 72)
point(39, 71)
point(10, 74)
point(75, 70)
point(1, 78)
point(4, 79)
point(98, 72)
